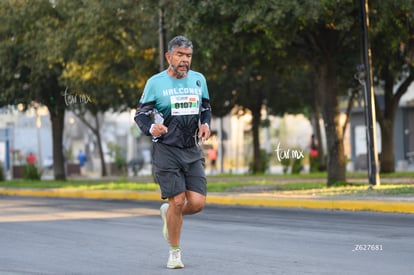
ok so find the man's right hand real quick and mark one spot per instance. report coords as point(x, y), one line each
point(158, 129)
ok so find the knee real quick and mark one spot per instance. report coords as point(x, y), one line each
point(199, 207)
point(196, 206)
point(177, 202)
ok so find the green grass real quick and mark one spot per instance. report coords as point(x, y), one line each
point(223, 186)
point(86, 185)
point(298, 184)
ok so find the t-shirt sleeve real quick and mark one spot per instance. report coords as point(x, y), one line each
point(205, 93)
point(145, 108)
point(205, 103)
point(148, 95)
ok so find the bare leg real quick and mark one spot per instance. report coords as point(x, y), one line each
point(186, 203)
point(175, 218)
point(194, 204)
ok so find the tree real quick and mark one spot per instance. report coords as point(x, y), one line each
point(116, 57)
point(93, 50)
point(29, 73)
point(329, 44)
point(321, 33)
point(237, 57)
point(392, 33)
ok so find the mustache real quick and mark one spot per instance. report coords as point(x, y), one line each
point(183, 64)
point(175, 68)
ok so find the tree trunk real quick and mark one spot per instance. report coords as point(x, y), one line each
point(55, 102)
point(97, 132)
point(256, 107)
point(386, 117)
point(257, 166)
point(336, 153)
point(334, 134)
point(99, 142)
point(387, 158)
point(57, 120)
point(56, 106)
point(321, 151)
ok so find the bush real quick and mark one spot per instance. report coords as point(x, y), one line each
point(30, 172)
point(314, 164)
point(264, 162)
point(285, 164)
point(2, 173)
point(297, 166)
point(117, 152)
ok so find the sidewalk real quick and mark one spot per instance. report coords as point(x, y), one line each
point(393, 204)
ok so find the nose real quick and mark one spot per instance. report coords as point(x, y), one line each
point(185, 58)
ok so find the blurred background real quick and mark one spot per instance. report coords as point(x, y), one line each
point(285, 80)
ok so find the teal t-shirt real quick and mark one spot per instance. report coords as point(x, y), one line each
point(174, 96)
point(177, 104)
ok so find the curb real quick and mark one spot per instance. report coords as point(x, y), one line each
point(84, 194)
point(335, 204)
point(390, 206)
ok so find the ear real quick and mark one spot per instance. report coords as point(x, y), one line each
point(167, 57)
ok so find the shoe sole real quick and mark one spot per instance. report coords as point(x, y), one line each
point(175, 266)
point(164, 226)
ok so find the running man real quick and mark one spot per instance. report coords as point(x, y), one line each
point(175, 110)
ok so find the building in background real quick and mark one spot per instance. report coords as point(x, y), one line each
point(27, 132)
point(403, 133)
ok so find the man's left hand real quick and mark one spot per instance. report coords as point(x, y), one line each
point(204, 132)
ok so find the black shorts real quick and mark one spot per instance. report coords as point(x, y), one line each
point(177, 170)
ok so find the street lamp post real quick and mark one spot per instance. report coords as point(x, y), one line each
point(370, 118)
point(161, 35)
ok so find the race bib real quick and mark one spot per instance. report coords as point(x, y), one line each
point(182, 105)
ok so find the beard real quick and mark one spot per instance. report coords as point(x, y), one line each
point(178, 73)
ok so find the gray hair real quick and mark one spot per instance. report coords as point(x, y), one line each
point(179, 42)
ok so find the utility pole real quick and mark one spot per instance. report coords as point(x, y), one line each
point(369, 96)
point(161, 37)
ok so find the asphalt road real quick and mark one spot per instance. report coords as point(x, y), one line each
point(79, 236)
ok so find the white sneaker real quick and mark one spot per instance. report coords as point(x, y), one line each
point(174, 261)
point(163, 210)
